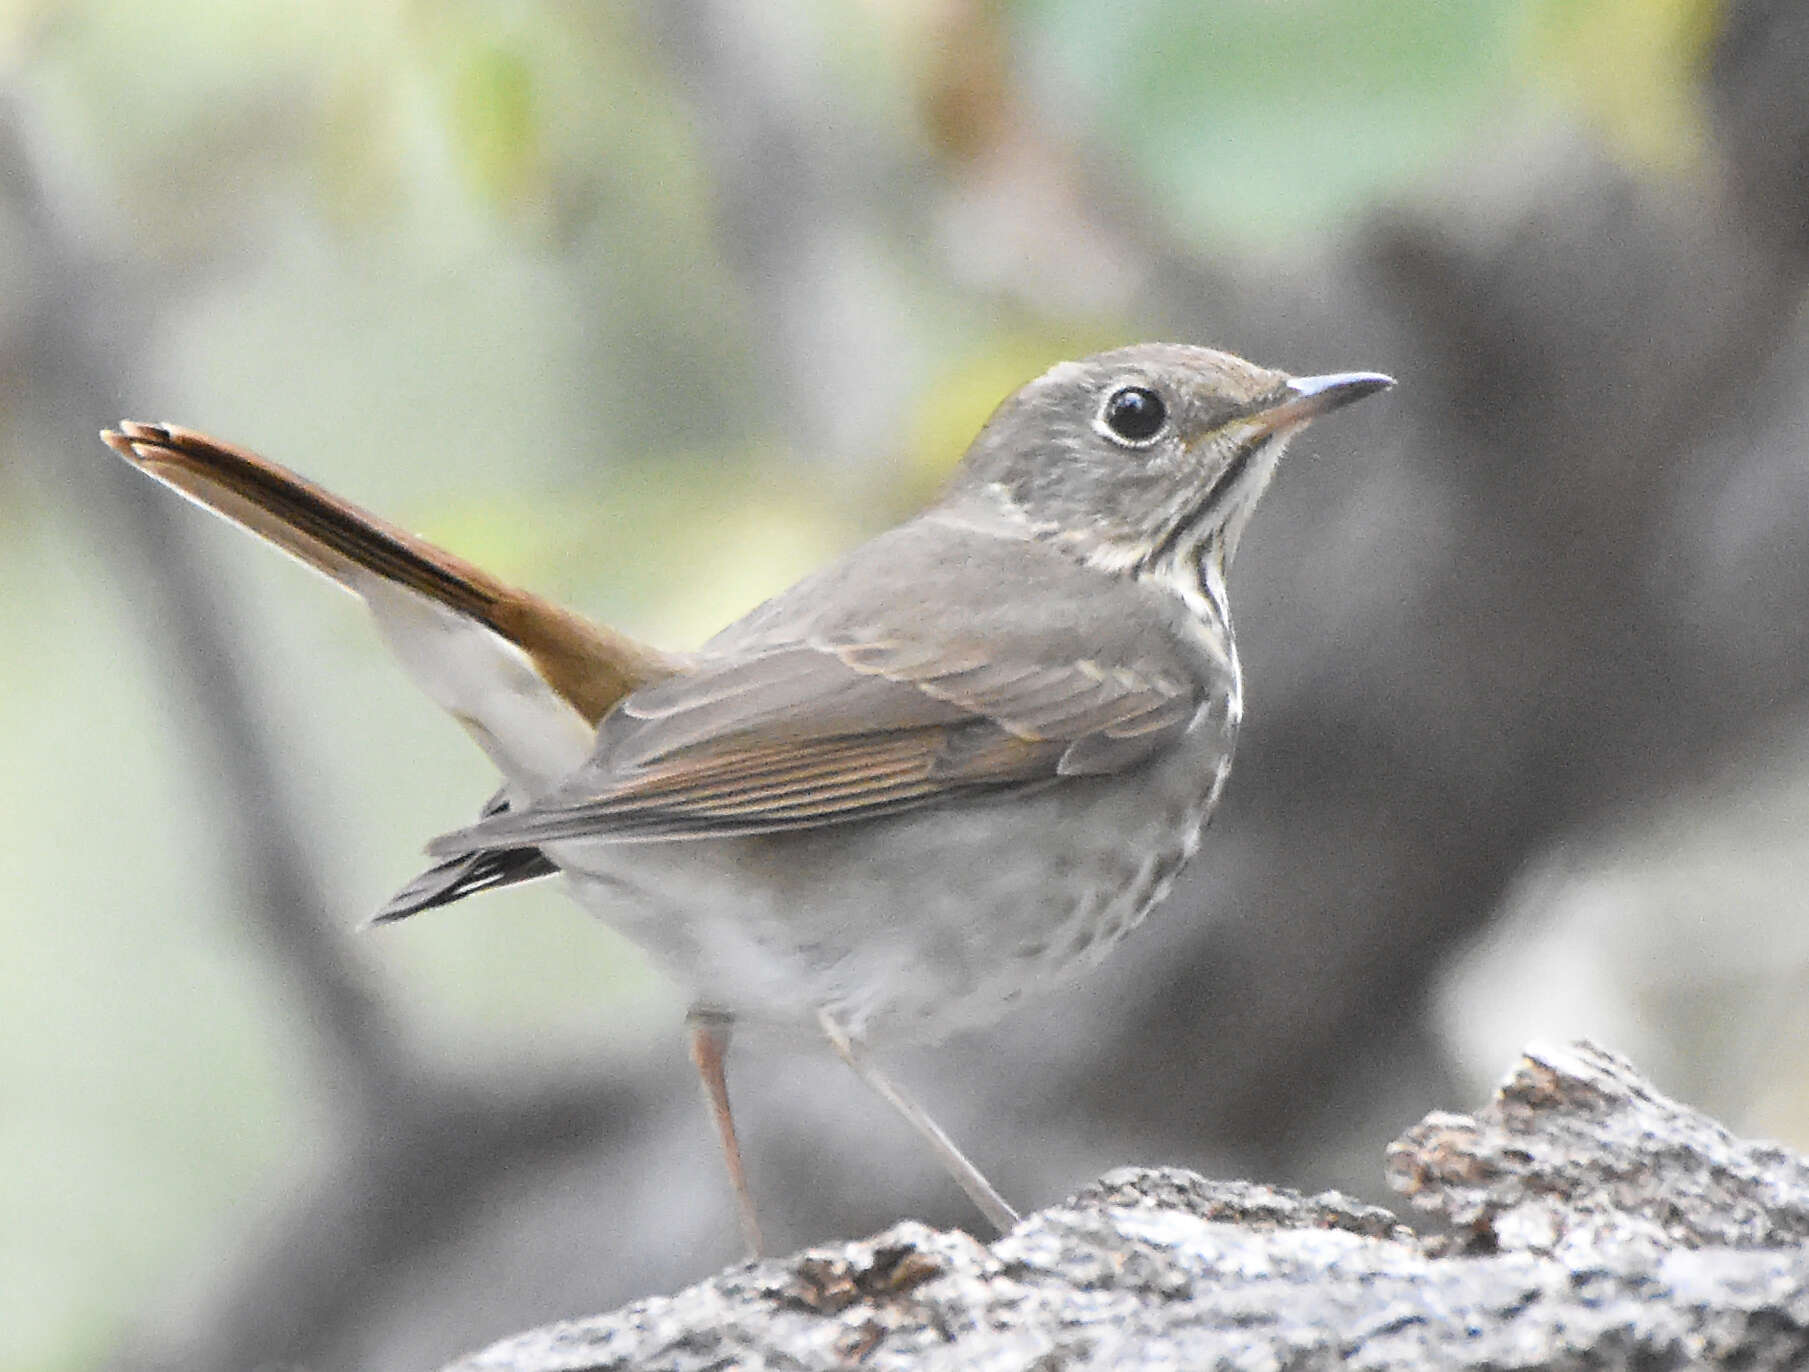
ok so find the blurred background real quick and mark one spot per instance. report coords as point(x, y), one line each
point(654, 306)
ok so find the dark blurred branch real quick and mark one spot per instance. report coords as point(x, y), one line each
point(1762, 117)
point(414, 1153)
point(376, 1208)
point(806, 200)
point(67, 374)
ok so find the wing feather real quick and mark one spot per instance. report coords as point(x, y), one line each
point(467, 874)
point(823, 733)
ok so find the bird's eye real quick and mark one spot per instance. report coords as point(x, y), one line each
point(1134, 414)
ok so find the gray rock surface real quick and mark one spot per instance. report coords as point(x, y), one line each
point(1598, 1224)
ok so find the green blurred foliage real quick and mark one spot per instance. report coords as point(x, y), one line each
point(1630, 67)
point(490, 108)
point(1259, 122)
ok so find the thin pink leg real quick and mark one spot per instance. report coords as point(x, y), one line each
point(709, 1045)
point(968, 1177)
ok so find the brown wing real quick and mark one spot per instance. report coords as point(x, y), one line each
point(826, 733)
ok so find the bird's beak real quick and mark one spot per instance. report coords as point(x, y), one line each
point(1307, 397)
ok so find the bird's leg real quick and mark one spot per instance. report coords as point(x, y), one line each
point(709, 1044)
point(966, 1175)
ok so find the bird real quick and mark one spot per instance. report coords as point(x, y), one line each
point(951, 768)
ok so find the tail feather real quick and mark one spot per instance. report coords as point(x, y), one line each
point(467, 874)
point(528, 679)
point(589, 666)
point(308, 522)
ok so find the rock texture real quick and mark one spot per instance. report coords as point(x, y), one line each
point(1594, 1224)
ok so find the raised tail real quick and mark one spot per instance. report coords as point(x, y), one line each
point(528, 678)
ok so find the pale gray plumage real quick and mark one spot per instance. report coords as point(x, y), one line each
point(934, 663)
point(952, 767)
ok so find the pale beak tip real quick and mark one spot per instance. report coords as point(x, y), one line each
point(1336, 389)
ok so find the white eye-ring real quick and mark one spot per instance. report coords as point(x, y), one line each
point(1134, 416)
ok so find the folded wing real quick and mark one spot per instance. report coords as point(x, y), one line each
point(828, 732)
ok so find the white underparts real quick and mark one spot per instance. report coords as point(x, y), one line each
point(489, 685)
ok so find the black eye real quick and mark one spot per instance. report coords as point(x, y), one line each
point(1134, 414)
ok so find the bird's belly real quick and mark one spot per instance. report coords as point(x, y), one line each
point(918, 925)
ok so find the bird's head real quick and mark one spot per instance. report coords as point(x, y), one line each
point(1140, 456)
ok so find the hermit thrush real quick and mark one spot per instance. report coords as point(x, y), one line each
point(952, 767)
